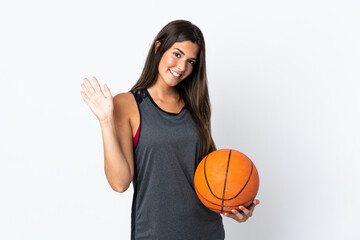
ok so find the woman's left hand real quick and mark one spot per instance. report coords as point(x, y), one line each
point(246, 212)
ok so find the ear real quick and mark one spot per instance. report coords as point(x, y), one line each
point(157, 44)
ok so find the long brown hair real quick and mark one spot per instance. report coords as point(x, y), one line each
point(193, 90)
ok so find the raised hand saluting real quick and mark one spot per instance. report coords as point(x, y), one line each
point(100, 104)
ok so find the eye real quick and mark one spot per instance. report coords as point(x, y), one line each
point(177, 54)
point(192, 62)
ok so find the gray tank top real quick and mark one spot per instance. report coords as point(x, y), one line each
point(165, 205)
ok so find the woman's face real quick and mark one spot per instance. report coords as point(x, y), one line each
point(177, 62)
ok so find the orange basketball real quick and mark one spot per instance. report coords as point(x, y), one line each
point(226, 179)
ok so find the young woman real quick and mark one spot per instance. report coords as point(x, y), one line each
point(155, 135)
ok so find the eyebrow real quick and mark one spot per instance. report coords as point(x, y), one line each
point(184, 53)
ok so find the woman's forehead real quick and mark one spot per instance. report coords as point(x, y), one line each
point(187, 48)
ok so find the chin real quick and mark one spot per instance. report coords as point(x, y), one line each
point(173, 83)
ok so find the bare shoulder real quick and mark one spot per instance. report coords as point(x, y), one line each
point(125, 107)
point(123, 97)
point(125, 101)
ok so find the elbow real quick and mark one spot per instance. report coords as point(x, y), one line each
point(120, 189)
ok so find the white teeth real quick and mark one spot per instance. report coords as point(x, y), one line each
point(175, 74)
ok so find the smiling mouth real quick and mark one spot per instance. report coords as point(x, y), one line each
point(175, 74)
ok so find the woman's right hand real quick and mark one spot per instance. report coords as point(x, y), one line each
point(101, 105)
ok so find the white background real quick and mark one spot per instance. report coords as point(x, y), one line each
point(284, 87)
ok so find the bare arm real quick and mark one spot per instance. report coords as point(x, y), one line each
point(117, 170)
point(118, 145)
point(113, 116)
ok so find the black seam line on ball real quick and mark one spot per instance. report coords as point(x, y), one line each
point(197, 191)
point(216, 204)
point(247, 181)
point(207, 182)
point(227, 170)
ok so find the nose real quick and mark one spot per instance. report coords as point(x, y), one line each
point(181, 65)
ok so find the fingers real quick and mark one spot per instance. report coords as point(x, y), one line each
point(246, 211)
point(241, 217)
point(85, 89)
point(88, 89)
point(84, 96)
point(97, 85)
point(243, 213)
point(91, 90)
point(254, 203)
point(85, 93)
point(237, 216)
point(107, 91)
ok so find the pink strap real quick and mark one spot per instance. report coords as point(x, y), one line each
point(136, 138)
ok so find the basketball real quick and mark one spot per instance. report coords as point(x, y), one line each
point(226, 179)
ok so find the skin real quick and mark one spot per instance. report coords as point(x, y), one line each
point(179, 58)
point(243, 214)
